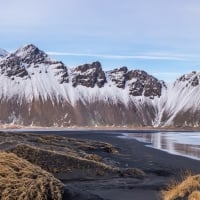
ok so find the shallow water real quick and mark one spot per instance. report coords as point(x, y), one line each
point(180, 143)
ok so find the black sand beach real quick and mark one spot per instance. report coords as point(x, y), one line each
point(142, 157)
point(160, 168)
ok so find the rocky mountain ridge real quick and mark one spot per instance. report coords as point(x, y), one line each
point(37, 90)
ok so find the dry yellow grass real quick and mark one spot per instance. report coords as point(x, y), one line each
point(56, 162)
point(194, 196)
point(21, 180)
point(188, 189)
point(66, 158)
point(74, 166)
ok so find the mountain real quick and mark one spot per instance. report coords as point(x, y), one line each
point(37, 90)
point(180, 104)
point(3, 53)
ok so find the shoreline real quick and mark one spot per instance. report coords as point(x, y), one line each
point(150, 144)
point(129, 146)
point(160, 168)
point(99, 128)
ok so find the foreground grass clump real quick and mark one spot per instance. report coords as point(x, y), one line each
point(20, 180)
point(188, 189)
point(67, 158)
point(74, 166)
point(56, 162)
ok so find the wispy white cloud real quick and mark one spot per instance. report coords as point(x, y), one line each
point(123, 57)
point(128, 30)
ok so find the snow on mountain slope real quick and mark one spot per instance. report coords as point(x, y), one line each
point(3, 53)
point(182, 101)
point(35, 89)
point(38, 90)
point(29, 73)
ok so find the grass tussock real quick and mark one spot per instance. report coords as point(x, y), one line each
point(20, 180)
point(57, 162)
point(67, 158)
point(194, 196)
point(188, 189)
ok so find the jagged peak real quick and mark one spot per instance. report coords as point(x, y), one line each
point(189, 76)
point(89, 75)
point(140, 75)
point(83, 68)
point(123, 69)
point(28, 61)
point(29, 50)
point(192, 79)
point(27, 47)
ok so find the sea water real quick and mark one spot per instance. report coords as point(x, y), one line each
point(180, 143)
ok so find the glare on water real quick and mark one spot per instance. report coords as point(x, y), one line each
point(180, 143)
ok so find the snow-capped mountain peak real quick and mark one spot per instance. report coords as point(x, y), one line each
point(191, 79)
point(30, 53)
point(89, 75)
point(36, 89)
point(29, 60)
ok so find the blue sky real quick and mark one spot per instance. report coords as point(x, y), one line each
point(161, 37)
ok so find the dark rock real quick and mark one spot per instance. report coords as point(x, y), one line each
point(118, 76)
point(89, 75)
point(61, 72)
point(31, 54)
point(191, 79)
point(140, 83)
point(11, 66)
point(195, 81)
